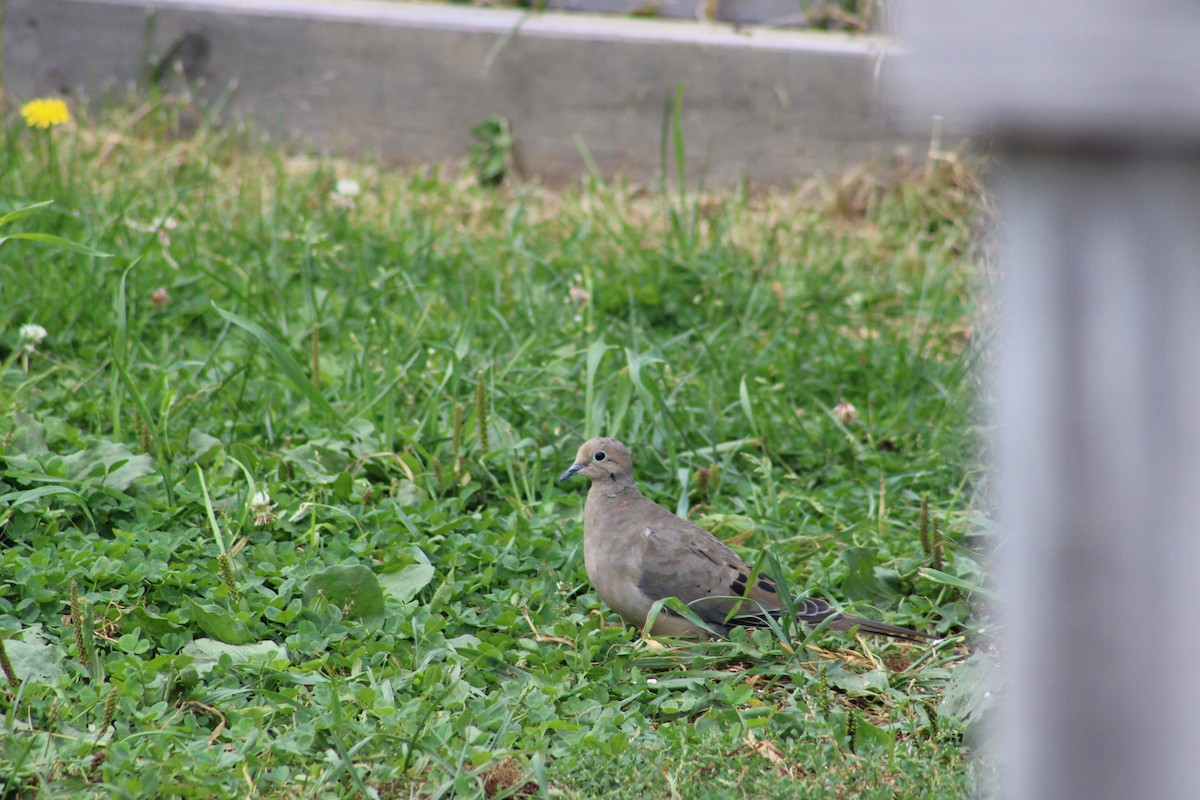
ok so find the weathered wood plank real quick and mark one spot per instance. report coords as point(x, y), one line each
point(1100, 431)
point(1094, 109)
point(408, 81)
point(1067, 69)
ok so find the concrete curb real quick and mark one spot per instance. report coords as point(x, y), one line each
point(408, 81)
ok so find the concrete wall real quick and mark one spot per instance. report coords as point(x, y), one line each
point(408, 81)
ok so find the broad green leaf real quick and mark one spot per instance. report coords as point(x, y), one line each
point(316, 462)
point(33, 658)
point(206, 653)
point(218, 623)
point(28, 436)
point(201, 446)
point(405, 584)
point(110, 464)
point(860, 583)
point(353, 588)
point(150, 623)
point(857, 684)
point(973, 689)
point(868, 737)
point(444, 591)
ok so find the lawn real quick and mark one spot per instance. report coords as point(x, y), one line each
point(279, 514)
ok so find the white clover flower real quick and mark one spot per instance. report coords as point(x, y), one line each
point(344, 192)
point(262, 508)
point(846, 413)
point(32, 335)
point(347, 187)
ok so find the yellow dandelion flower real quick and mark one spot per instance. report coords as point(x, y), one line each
point(45, 112)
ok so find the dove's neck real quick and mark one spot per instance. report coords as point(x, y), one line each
point(614, 488)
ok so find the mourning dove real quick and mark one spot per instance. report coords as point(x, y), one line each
point(637, 552)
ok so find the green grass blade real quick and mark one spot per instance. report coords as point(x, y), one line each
point(595, 417)
point(12, 499)
point(946, 579)
point(210, 514)
point(120, 347)
point(24, 212)
point(288, 365)
point(161, 454)
point(57, 241)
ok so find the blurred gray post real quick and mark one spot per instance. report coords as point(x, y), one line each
point(1093, 109)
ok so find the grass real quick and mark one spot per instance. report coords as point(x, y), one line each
point(279, 514)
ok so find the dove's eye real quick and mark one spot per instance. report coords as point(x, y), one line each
point(600, 455)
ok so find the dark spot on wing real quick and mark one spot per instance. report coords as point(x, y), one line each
point(738, 584)
point(766, 584)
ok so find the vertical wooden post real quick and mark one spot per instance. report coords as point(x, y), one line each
point(1094, 110)
point(1099, 412)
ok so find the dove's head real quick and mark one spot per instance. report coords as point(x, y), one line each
point(602, 460)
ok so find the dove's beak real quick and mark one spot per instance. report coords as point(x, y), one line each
point(571, 471)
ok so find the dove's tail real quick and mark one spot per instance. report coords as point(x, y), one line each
point(845, 622)
point(812, 611)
